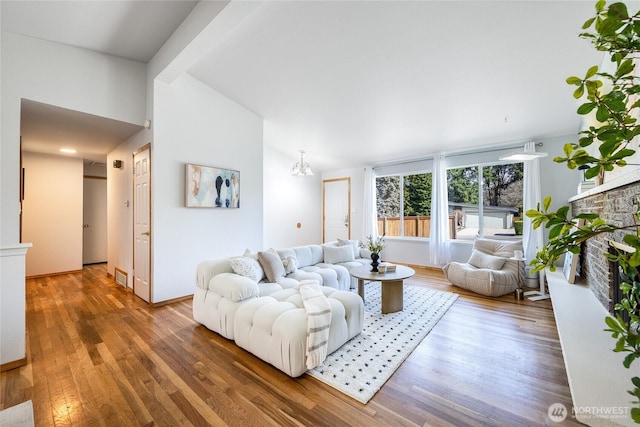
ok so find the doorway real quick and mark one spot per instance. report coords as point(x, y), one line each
point(336, 209)
point(94, 222)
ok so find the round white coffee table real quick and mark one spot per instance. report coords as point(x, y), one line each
point(392, 285)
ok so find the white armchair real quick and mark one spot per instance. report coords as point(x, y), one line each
point(489, 271)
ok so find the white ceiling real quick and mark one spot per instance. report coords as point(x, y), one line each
point(133, 30)
point(125, 28)
point(355, 82)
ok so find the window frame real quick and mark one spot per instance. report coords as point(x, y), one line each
point(480, 168)
point(465, 164)
point(402, 176)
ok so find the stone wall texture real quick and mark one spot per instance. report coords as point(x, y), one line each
point(615, 206)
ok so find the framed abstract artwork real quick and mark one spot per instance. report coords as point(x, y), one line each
point(211, 187)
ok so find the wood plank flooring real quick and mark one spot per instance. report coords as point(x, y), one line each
point(98, 355)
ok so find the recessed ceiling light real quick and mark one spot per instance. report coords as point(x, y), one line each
point(68, 150)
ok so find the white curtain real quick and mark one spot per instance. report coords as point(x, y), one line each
point(532, 240)
point(439, 232)
point(370, 222)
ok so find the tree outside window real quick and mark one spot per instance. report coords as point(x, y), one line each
point(492, 211)
point(404, 202)
point(404, 210)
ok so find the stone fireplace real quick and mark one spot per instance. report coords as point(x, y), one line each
point(615, 279)
point(615, 202)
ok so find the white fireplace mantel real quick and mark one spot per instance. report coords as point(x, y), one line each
point(597, 379)
point(620, 181)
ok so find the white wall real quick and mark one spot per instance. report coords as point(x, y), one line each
point(557, 180)
point(63, 76)
point(195, 124)
point(289, 200)
point(52, 213)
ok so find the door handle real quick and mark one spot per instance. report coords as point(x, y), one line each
point(85, 226)
point(146, 233)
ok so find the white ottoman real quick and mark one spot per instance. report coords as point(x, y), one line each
point(274, 328)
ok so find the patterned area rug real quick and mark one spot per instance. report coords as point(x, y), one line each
point(361, 366)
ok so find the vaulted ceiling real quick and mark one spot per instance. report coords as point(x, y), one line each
point(371, 80)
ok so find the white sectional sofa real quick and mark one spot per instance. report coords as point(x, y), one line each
point(253, 299)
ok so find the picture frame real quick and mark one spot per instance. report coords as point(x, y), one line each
point(570, 267)
point(211, 187)
point(571, 261)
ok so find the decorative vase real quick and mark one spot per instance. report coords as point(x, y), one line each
point(374, 262)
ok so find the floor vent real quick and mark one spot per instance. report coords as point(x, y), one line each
point(121, 277)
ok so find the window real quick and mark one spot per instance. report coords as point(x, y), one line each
point(492, 212)
point(404, 210)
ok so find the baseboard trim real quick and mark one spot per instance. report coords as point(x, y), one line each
point(171, 301)
point(415, 266)
point(13, 365)
point(61, 273)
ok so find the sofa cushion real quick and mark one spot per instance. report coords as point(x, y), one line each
point(503, 248)
point(272, 265)
point(338, 254)
point(234, 287)
point(247, 267)
point(481, 260)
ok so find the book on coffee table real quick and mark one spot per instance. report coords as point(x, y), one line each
point(386, 267)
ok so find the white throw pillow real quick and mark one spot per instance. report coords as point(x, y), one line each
point(247, 267)
point(338, 254)
point(290, 264)
point(250, 254)
point(355, 245)
point(481, 260)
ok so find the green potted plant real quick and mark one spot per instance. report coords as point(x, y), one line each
point(616, 105)
point(518, 222)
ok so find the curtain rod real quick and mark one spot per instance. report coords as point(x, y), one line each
point(458, 153)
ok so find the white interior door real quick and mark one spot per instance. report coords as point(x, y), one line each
point(94, 214)
point(142, 225)
point(336, 207)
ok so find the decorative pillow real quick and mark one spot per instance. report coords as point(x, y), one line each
point(290, 264)
point(481, 260)
point(355, 245)
point(272, 265)
point(250, 254)
point(338, 254)
point(247, 267)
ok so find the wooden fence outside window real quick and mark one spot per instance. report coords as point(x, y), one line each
point(414, 226)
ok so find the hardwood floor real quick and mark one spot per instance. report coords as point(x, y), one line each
point(98, 355)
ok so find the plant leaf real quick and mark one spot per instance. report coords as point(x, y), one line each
point(573, 80)
point(586, 108)
point(591, 72)
point(588, 23)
